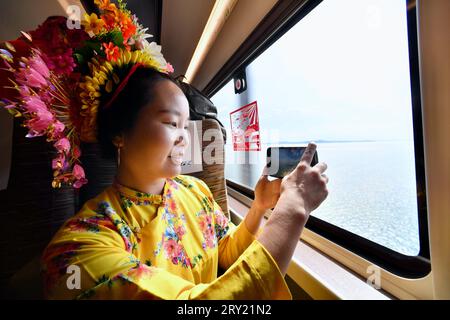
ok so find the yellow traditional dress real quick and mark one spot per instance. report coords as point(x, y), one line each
point(125, 244)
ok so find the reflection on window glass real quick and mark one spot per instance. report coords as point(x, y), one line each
point(340, 77)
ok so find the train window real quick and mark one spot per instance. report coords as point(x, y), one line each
point(342, 77)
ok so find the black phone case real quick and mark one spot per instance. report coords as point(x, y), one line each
point(278, 174)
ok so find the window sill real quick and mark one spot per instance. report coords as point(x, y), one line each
point(318, 275)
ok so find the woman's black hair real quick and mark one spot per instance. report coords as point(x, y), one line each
point(121, 115)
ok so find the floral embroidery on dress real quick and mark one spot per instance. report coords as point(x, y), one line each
point(210, 234)
point(172, 183)
point(127, 202)
point(104, 280)
point(129, 197)
point(206, 202)
point(221, 225)
point(142, 270)
point(121, 226)
point(91, 224)
point(137, 271)
point(184, 182)
point(206, 226)
point(171, 240)
point(55, 261)
point(173, 234)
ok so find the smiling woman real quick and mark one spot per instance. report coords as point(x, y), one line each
point(93, 192)
point(154, 233)
point(146, 125)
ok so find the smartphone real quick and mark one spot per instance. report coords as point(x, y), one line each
point(283, 160)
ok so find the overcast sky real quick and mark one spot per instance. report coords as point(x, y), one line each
point(342, 73)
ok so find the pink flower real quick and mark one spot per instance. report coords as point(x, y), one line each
point(141, 271)
point(180, 231)
point(209, 237)
point(79, 183)
point(35, 104)
point(41, 116)
point(63, 145)
point(208, 220)
point(39, 124)
point(78, 172)
point(63, 63)
point(221, 220)
point(38, 65)
point(58, 127)
point(202, 225)
point(30, 77)
point(169, 68)
point(33, 71)
point(172, 248)
point(58, 162)
point(209, 233)
point(24, 91)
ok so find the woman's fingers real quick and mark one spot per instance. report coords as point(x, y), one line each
point(308, 154)
point(265, 171)
point(322, 166)
point(325, 177)
point(276, 184)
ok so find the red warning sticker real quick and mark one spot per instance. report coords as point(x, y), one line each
point(245, 128)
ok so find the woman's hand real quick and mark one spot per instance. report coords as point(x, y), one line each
point(302, 191)
point(305, 187)
point(266, 196)
point(266, 193)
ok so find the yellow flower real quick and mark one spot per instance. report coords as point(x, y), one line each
point(93, 23)
point(103, 76)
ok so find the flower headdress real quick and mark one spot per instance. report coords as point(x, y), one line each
point(60, 77)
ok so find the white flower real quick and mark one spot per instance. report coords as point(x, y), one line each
point(154, 50)
point(140, 34)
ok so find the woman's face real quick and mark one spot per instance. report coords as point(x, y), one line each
point(154, 148)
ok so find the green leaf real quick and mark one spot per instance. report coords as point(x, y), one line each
point(93, 45)
point(80, 58)
point(117, 38)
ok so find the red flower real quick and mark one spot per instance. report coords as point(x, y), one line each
point(76, 152)
point(172, 205)
point(112, 51)
point(63, 63)
point(110, 20)
point(128, 30)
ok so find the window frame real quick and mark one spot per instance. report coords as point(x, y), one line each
point(278, 21)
